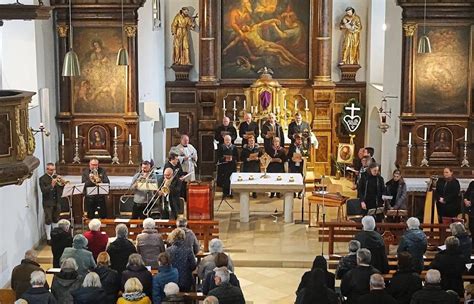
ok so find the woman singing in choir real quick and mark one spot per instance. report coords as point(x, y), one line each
point(447, 197)
point(370, 189)
point(278, 155)
point(250, 158)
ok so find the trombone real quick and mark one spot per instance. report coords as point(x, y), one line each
point(164, 189)
point(130, 191)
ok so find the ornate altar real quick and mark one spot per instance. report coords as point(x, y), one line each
point(98, 109)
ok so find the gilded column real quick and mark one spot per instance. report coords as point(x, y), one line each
point(207, 41)
point(132, 82)
point(408, 69)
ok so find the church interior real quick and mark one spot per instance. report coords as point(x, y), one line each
point(236, 151)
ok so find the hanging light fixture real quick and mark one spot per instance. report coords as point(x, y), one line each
point(71, 61)
point(122, 56)
point(424, 44)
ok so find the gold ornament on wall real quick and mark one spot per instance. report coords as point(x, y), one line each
point(409, 29)
point(62, 30)
point(31, 141)
point(21, 145)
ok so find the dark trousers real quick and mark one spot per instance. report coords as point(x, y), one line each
point(96, 203)
point(137, 211)
point(169, 209)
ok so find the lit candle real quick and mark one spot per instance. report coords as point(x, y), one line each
point(251, 109)
point(278, 109)
point(245, 104)
point(465, 134)
point(305, 103)
point(296, 104)
point(129, 140)
point(409, 138)
point(115, 132)
point(426, 134)
point(62, 139)
point(234, 105)
point(223, 103)
point(284, 104)
point(41, 125)
point(77, 131)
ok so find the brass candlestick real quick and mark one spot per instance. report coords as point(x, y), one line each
point(424, 161)
point(465, 161)
point(62, 155)
point(409, 156)
point(115, 159)
point(130, 162)
point(76, 159)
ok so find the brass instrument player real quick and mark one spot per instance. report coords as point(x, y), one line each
point(169, 194)
point(91, 177)
point(141, 197)
point(51, 186)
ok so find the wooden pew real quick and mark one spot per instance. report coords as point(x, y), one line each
point(205, 230)
point(7, 296)
point(343, 232)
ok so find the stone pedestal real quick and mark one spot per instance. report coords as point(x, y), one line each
point(348, 72)
point(182, 71)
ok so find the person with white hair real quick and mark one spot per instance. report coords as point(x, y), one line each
point(61, 238)
point(66, 281)
point(372, 240)
point(83, 257)
point(225, 129)
point(415, 242)
point(208, 263)
point(432, 293)
point(349, 261)
point(38, 293)
point(171, 291)
point(120, 249)
point(355, 283)
point(210, 300)
point(96, 240)
point(227, 157)
point(465, 242)
point(225, 292)
point(377, 293)
point(150, 243)
point(91, 291)
point(21, 274)
point(182, 258)
point(136, 269)
point(188, 157)
point(451, 265)
point(190, 238)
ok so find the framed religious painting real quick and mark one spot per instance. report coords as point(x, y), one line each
point(345, 153)
point(265, 33)
point(98, 142)
point(101, 87)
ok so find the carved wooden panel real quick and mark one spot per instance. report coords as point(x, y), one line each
point(6, 140)
point(182, 98)
point(207, 153)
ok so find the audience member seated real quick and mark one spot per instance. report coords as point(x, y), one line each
point(172, 296)
point(109, 278)
point(432, 293)
point(465, 241)
point(80, 254)
point(97, 240)
point(316, 290)
point(21, 274)
point(120, 249)
point(318, 263)
point(166, 274)
point(66, 281)
point(190, 238)
point(61, 238)
point(222, 260)
point(414, 242)
point(182, 258)
point(133, 293)
point(225, 292)
point(405, 281)
point(150, 243)
point(451, 265)
point(210, 300)
point(91, 291)
point(469, 294)
point(355, 283)
point(348, 262)
point(373, 241)
point(208, 264)
point(377, 293)
point(38, 293)
point(136, 269)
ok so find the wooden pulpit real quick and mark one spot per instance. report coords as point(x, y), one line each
point(200, 204)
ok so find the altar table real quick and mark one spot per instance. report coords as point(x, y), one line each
point(241, 183)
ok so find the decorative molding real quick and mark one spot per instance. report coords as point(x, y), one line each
point(130, 30)
point(62, 30)
point(409, 29)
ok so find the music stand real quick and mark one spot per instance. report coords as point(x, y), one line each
point(223, 199)
point(69, 191)
point(98, 189)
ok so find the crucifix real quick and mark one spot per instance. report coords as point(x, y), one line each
point(352, 108)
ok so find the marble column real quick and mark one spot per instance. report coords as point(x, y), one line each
point(207, 41)
point(132, 82)
point(322, 42)
point(409, 30)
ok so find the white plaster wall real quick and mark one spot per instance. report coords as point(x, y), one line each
point(376, 42)
point(362, 9)
point(171, 9)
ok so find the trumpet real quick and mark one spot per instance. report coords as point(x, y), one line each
point(60, 181)
point(95, 177)
point(163, 190)
point(142, 179)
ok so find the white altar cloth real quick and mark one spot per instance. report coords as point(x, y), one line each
point(270, 184)
point(419, 184)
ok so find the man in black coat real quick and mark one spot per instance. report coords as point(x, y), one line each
point(355, 283)
point(298, 126)
point(271, 129)
point(373, 241)
point(225, 292)
point(173, 163)
point(447, 195)
point(370, 189)
point(432, 293)
point(377, 293)
point(51, 192)
point(91, 177)
point(227, 156)
point(61, 238)
point(247, 128)
point(405, 281)
point(120, 249)
point(39, 291)
point(21, 274)
point(349, 261)
point(225, 129)
point(295, 157)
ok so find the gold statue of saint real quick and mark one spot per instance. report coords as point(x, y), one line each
point(351, 27)
point(182, 24)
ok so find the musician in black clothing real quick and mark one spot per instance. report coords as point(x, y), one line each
point(247, 128)
point(295, 157)
point(173, 163)
point(225, 129)
point(298, 126)
point(370, 189)
point(169, 199)
point(227, 156)
point(270, 129)
point(91, 177)
point(447, 197)
point(278, 155)
point(468, 201)
point(250, 157)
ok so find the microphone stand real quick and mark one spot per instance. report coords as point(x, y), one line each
point(223, 199)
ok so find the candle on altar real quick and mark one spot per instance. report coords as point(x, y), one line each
point(425, 135)
point(296, 105)
point(234, 105)
point(129, 140)
point(305, 103)
point(115, 132)
point(409, 138)
point(284, 104)
point(465, 134)
point(77, 131)
point(223, 103)
point(62, 139)
point(245, 104)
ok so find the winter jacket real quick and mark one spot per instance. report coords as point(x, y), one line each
point(208, 264)
point(84, 259)
point(21, 275)
point(191, 240)
point(149, 245)
point(119, 251)
point(89, 295)
point(432, 294)
point(142, 274)
point(60, 240)
point(373, 241)
point(304, 297)
point(38, 295)
point(64, 283)
point(414, 241)
point(403, 285)
point(165, 275)
point(355, 283)
point(209, 283)
point(182, 258)
point(111, 282)
point(450, 264)
point(465, 246)
point(97, 242)
point(228, 294)
point(399, 202)
point(377, 296)
point(347, 263)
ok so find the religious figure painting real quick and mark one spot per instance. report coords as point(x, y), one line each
point(101, 87)
point(265, 33)
point(443, 140)
point(345, 153)
point(442, 77)
point(97, 138)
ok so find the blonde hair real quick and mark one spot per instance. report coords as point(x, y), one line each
point(103, 259)
point(133, 285)
point(176, 235)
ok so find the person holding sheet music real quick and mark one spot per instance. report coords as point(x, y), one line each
point(295, 157)
point(397, 189)
point(447, 195)
point(248, 128)
point(142, 197)
point(301, 128)
point(51, 191)
point(370, 189)
point(250, 157)
point(277, 164)
point(91, 177)
point(225, 129)
point(188, 157)
point(227, 156)
point(270, 129)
